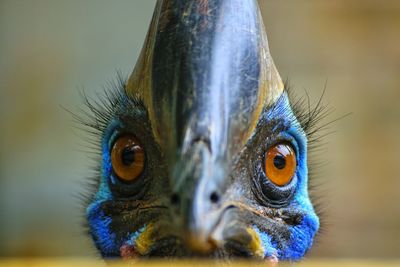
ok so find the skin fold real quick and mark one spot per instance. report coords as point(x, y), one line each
point(206, 102)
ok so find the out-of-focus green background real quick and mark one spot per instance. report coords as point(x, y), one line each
point(50, 48)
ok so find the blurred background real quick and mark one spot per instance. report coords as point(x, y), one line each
point(49, 49)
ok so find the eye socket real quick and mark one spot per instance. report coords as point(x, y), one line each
point(128, 158)
point(280, 164)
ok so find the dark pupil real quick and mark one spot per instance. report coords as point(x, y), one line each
point(279, 162)
point(128, 155)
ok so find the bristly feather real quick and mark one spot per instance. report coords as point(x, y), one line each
point(97, 114)
point(93, 121)
point(310, 116)
point(314, 120)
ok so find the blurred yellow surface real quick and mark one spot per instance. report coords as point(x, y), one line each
point(90, 263)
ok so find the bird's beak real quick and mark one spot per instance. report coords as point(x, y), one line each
point(198, 185)
point(205, 74)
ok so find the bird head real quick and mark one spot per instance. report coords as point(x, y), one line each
point(201, 151)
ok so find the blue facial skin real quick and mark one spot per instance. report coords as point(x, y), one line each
point(104, 235)
point(301, 234)
point(99, 223)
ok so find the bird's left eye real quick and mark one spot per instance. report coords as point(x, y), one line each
point(280, 164)
point(128, 158)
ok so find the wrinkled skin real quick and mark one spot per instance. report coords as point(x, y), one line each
point(206, 103)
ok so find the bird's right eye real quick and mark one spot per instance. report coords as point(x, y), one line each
point(128, 158)
point(280, 164)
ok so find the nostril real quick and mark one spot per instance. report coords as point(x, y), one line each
point(214, 197)
point(203, 139)
point(175, 199)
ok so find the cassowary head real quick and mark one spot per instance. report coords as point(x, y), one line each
point(201, 152)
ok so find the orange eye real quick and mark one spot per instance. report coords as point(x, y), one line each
point(127, 157)
point(280, 164)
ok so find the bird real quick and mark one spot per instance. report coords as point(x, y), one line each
point(202, 151)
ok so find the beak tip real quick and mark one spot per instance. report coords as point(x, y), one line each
point(200, 244)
